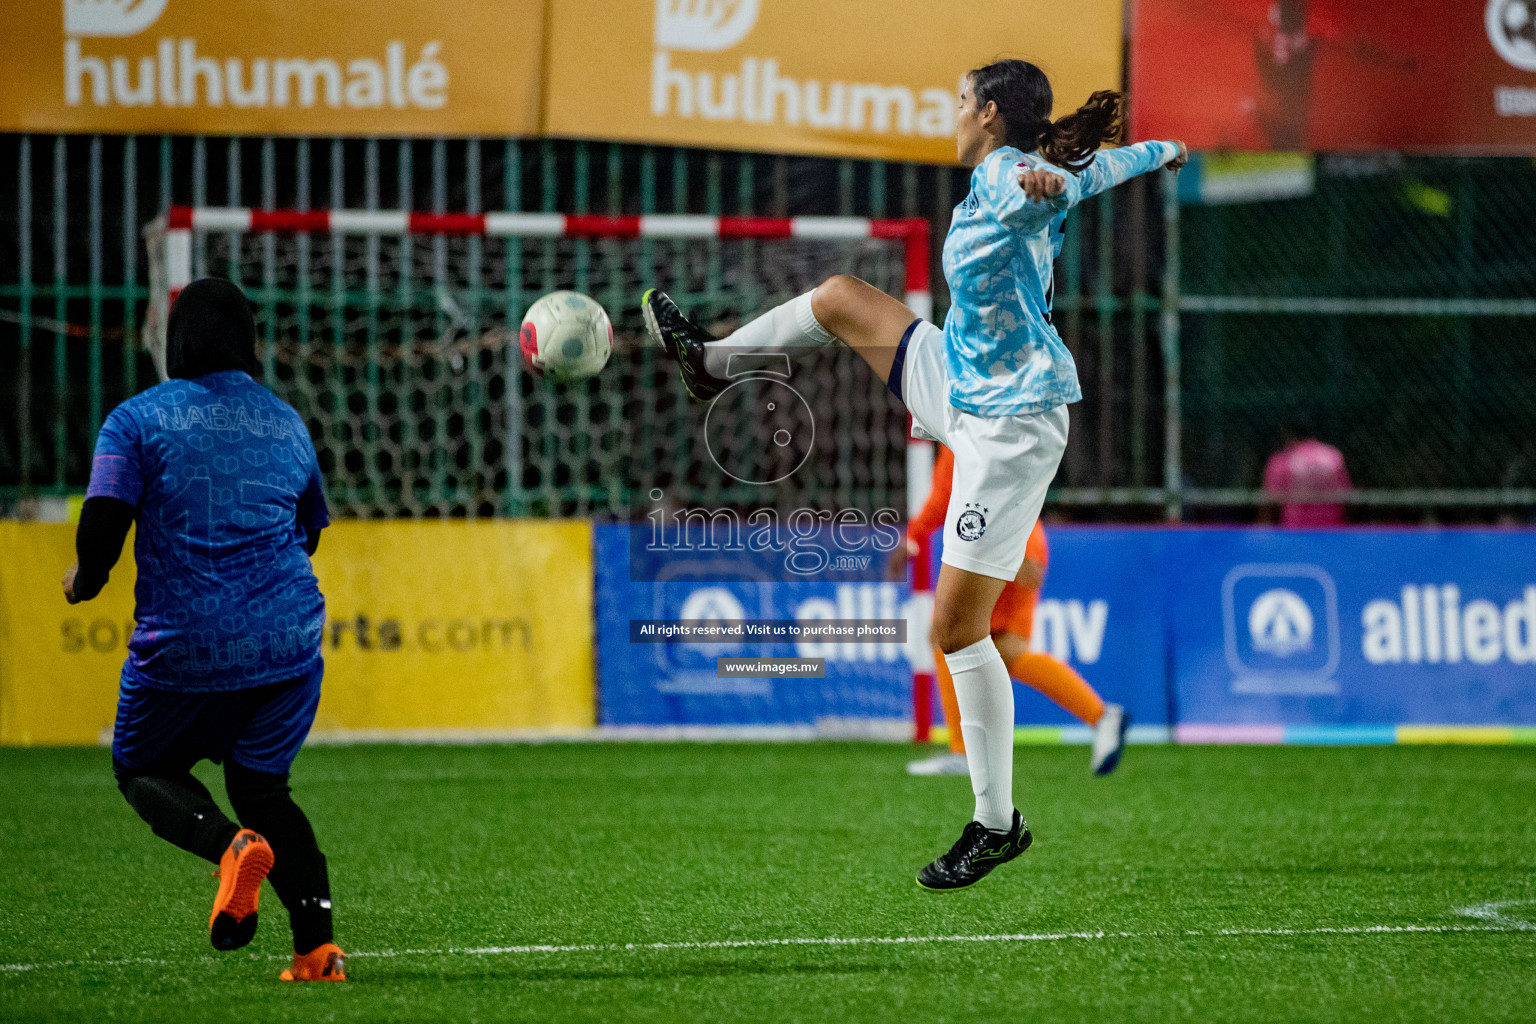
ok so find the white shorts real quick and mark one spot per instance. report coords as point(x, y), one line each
point(1003, 464)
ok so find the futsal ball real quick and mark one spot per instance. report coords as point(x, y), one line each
point(566, 336)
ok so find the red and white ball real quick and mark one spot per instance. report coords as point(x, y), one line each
point(566, 336)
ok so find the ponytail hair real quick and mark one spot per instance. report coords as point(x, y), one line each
point(1071, 141)
point(1024, 99)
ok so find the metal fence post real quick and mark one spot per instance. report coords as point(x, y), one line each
point(1173, 469)
point(373, 434)
point(269, 261)
point(94, 398)
point(234, 193)
point(1139, 385)
point(167, 185)
point(131, 243)
point(24, 258)
point(199, 198)
point(437, 398)
point(512, 302)
point(1104, 307)
point(337, 305)
point(60, 313)
point(471, 387)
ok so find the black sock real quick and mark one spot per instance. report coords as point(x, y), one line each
point(180, 810)
point(299, 876)
point(310, 916)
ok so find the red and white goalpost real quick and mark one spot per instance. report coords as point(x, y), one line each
point(172, 263)
point(920, 457)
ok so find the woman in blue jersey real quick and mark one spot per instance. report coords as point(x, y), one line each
point(225, 662)
point(993, 386)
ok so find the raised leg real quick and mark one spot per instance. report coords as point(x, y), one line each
point(864, 318)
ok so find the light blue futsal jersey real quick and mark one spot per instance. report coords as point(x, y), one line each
point(1005, 357)
point(225, 482)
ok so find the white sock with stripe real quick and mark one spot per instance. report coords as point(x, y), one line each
point(788, 326)
point(985, 695)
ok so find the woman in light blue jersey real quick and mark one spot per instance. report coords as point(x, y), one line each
point(993, 385)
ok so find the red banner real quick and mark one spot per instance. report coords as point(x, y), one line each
point(1336, 74)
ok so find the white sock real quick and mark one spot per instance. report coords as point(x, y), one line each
point(985, 695)
point(790, 325)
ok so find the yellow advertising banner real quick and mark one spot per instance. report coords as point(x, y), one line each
point(869, 78)
point(432, 629)
point(284, 67)
point(481, 626)
point(59, 663)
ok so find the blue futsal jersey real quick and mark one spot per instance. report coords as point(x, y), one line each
point(1004, 355)
point(225, 482)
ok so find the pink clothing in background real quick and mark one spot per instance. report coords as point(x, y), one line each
point(1303, 468)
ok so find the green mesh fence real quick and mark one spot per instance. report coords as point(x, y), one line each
point(1391, 312)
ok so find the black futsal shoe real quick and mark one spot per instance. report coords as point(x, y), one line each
point(975, 854)
point(684, 341)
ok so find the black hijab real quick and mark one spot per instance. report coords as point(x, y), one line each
point(210, 329)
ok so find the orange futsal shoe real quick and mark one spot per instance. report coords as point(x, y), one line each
point(326, 962)
point(242, 869)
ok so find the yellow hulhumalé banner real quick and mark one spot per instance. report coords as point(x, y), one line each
point(869, 78)
point(468, 628)
point(287, 67)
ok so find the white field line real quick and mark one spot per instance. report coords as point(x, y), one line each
point(1493, 913)
point(835, 941)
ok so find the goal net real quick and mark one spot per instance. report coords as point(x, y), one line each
point(394, 335)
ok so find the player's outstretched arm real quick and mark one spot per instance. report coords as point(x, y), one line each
point(1115, 166)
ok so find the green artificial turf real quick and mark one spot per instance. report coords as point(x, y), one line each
point(435, 850)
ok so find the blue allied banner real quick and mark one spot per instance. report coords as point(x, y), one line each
point(1353, 627)
point(1230, 634)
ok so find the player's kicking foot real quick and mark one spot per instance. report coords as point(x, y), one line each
point(325, 962)
point(242, 869)
point(939, 764)
point(684, 341)
point(1109, 738)
point(975, 854)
